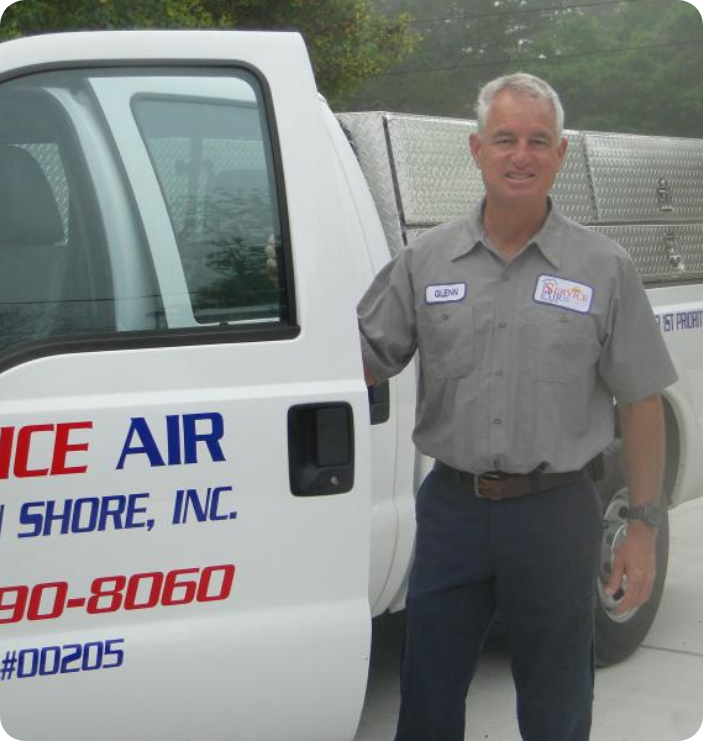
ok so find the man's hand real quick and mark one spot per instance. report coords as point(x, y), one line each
point(272, 260)
point(634, 567)
point(634, 564)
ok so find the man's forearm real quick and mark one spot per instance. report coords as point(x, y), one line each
point(642, 425)
point(634, 565)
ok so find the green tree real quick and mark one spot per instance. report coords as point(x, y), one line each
point(464, 44)
point(634, 69)
point(347, 41)
point(30, 17)
point(628, 65)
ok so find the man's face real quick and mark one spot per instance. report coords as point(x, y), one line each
point(518, 153)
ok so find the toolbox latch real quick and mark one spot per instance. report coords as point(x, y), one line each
point(664, 195)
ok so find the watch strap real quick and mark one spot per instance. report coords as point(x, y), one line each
point(647, 513)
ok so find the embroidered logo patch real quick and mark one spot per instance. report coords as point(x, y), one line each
point(445, 293)
point(564, 293)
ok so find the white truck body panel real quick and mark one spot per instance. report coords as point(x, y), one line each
point(281, 651)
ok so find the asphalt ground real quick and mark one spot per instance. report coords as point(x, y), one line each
point(655, 695)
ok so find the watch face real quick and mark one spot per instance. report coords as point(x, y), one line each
point(648, 513)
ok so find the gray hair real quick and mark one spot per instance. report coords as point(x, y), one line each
point(521, 84)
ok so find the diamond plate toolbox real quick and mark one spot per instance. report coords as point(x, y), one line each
point(645, 192)
point(646, 178)
point(437, 180)
point(367, 136)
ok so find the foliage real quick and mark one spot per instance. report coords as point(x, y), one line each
point(29, 17)
point(464, 44)
point(346, 40)
point(619, 66)
point(635, 69)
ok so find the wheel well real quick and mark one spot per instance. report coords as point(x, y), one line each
point(673, 449)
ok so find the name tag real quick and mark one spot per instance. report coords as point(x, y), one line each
point(564, 293)
point(445, 293)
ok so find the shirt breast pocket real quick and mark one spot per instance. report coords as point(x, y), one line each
point(446, 340)
point(561, 345)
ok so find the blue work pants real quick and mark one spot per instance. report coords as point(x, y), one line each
point(535, 560)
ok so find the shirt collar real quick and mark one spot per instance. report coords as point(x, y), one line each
point(549, 238)
point(473, 232)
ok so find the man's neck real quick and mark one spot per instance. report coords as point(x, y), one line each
point(510, 228)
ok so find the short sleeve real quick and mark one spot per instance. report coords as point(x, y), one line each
point(387, 321)
point(635, 362)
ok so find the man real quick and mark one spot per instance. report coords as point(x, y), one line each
point(527, 326)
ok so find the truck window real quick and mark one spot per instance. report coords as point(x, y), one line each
point(213, 168)
point(136, 201)
point(54, 276)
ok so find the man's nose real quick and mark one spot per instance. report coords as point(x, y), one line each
point(520, 154)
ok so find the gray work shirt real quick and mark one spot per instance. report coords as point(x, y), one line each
point(519, 362)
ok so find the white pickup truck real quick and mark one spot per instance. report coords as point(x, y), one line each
point(200, 511)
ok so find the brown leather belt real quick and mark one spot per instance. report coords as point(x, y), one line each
point(496, 485)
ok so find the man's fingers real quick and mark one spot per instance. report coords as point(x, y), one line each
point(637, 588)
point(271, 259)
point(616, 575)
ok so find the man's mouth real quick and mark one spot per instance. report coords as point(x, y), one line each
point(519, 176)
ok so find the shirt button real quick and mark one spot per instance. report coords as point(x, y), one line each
point(499, 372)
point(505, 278)
point(497, 421)
point(445, 317)
point(496, 465)
point(502, 325)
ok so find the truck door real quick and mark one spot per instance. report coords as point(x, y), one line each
point(184, 440)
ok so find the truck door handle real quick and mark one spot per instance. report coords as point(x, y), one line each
point(380, 403)
point(321, 449)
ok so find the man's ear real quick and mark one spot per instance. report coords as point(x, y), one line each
point(561, 151)
point(475, 147)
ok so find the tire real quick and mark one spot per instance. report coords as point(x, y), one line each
point(618, 636)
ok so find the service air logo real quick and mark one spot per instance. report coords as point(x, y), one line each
point(564, 293)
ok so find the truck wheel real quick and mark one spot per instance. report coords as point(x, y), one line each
point(617, 636)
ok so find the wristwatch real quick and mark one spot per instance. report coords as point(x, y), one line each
point(647, 513)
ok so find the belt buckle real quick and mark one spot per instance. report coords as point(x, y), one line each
point(486, 477)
